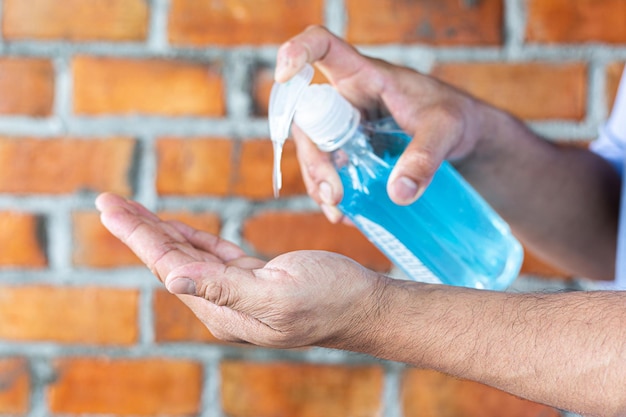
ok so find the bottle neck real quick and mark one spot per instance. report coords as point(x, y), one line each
point(337, 142)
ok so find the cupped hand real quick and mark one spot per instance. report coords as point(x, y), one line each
point(443, 122)
point(297, 299)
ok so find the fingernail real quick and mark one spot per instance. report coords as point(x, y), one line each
point(182, 286)
point(332, 213)
point(326, 193)
point(406, 189)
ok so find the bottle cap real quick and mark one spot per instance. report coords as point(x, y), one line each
point(283, 100)
point(325, 116)
point(320, 111)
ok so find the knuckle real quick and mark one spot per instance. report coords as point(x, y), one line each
point(160, 267)
point(421, 162)
point(449, 115)
point(217, 293)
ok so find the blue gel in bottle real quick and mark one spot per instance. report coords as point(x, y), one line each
point(449, 235)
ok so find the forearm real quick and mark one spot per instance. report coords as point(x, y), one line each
point(567, 350)
point(562, 201)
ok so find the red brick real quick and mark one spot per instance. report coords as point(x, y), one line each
point(300, 390)
point(175, 322)
point(20, 242)
point(431, 394)
point(535, 91)
point(200, 166)
point(253, 177)
point(27, 86)
point(14, 386)
point(141, 387)
point(77, 20)
point(433, 22)
point(81, 315)
point(151, 86)
point(272, 233)
point(96, 247)
point(576, 21)
point(614, 74)
point(57, 166)
point(234, 22)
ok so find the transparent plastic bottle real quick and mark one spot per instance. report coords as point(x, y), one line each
point(450, 235)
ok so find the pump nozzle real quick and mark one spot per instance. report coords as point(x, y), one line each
point(283, 100)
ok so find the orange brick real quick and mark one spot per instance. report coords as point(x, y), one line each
point(27, 86)
point(56, 166)
point(175, 322)
point(300, 390)
point(20, 241)
point(614, 74)
point(434, 22)
point(78, 20)
point(142, 387)
point(14, 386)
point(535, 91)
point(96, 247)
point(253, 177)
point(576, 21)
point(233, 22)
point(272, 233)
point(194, 166)
point(428, 393)
point(151, 86)
point(83, 315)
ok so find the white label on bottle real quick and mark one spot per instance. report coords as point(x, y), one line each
point(398, 253)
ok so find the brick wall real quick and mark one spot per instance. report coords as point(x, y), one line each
point(165, 101)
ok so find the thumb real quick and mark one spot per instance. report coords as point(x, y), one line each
point(434, 136)
point(222, 285)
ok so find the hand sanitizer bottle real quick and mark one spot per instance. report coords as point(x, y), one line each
point(450, 235)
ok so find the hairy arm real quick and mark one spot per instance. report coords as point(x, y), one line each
point(567, 350)
point(563, 349)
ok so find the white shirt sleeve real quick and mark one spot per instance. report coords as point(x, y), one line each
point(611, 143)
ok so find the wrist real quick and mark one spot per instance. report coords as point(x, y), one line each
point(367, 323)
point(494, 134)
point(386, 324)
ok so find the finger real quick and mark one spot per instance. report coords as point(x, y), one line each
point(335, 57)
point(222, 285)
point(360, 79)
point(247, 262)
point(149, 240)
point(108, 200)
point(225, 324)
point(319, 175)
point(223, 249)
point(437, 132)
